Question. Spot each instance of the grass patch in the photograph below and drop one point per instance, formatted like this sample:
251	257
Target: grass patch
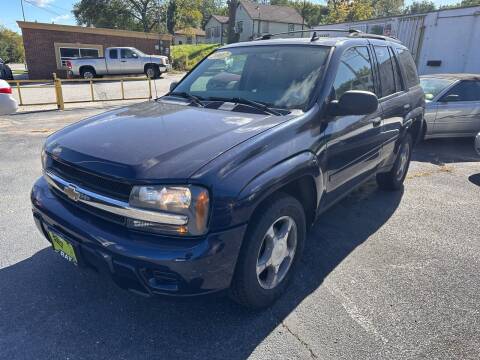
185	57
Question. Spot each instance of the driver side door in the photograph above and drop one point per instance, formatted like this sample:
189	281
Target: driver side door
353	142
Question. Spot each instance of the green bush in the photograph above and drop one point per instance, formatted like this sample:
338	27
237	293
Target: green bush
185	57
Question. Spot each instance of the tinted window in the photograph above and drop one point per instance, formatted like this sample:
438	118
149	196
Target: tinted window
258	73
385	66
127	54
354	72
396	71
409	67
113	54
464	91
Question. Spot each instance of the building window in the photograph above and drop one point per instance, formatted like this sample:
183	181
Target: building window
239	27
72	53
217	32
291	27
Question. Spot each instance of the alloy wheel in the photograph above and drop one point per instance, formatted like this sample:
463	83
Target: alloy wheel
276	252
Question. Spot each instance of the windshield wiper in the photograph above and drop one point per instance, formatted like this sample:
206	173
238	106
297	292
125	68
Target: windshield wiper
194	99
254	104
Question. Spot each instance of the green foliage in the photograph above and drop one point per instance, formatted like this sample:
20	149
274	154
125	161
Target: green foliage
387	7
11	46
136	15
184	57
419	7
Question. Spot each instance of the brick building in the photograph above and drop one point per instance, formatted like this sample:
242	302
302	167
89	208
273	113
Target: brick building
48	46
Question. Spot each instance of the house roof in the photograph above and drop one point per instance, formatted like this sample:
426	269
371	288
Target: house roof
221	19
190	31
274	13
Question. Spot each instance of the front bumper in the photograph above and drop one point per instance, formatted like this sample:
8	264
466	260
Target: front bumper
165	68
138	261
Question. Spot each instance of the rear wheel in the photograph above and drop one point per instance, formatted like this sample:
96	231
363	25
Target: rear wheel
393	179
87	73
272	248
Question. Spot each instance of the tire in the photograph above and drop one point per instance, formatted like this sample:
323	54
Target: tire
257	289
88	73
393	180
152	71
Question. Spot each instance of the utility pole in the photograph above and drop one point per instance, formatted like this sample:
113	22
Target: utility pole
23	11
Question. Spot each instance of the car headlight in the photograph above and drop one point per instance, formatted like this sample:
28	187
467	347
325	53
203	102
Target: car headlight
43	157
191	201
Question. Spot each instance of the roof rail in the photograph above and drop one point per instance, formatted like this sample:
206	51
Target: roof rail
374	36
351	33
314	37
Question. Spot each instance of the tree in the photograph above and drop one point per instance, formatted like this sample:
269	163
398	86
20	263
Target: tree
387	7
419	7
140	15
11	46
232	10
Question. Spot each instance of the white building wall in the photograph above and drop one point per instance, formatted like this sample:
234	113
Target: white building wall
451	36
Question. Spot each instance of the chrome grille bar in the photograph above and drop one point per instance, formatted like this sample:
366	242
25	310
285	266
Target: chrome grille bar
118	207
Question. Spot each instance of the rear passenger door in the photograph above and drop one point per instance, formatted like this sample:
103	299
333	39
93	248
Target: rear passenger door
458	110
354	141
393	98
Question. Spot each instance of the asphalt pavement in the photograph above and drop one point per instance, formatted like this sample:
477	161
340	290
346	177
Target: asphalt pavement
384	276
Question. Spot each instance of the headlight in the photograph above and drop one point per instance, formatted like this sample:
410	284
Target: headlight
190	201
43	157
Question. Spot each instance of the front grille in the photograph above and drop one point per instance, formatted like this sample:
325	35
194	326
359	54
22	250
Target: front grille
96	183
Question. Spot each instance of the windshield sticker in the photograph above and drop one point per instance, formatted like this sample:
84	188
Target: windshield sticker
220	55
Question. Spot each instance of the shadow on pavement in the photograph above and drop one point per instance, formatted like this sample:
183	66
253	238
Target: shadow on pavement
444	151
50	309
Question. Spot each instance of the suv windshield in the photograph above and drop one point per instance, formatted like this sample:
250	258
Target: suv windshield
279	76
433	86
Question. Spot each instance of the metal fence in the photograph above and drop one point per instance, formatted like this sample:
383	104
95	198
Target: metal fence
56	85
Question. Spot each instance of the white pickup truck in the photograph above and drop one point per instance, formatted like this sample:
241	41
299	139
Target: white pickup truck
119	60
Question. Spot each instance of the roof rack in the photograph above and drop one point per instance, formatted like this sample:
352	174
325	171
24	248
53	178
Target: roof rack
351	33
314	37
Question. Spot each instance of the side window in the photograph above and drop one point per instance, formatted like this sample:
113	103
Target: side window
354	72
396	71
464	91
113	54
409	67
385	66
127	54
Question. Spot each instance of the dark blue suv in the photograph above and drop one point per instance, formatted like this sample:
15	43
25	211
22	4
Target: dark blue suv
215	185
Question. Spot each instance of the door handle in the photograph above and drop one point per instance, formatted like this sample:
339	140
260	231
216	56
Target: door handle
376	122
123	60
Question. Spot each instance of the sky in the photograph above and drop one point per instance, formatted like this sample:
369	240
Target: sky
60	11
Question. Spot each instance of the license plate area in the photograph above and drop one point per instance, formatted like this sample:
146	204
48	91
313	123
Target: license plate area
63	247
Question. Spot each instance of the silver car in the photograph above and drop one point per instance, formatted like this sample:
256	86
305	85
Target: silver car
452	105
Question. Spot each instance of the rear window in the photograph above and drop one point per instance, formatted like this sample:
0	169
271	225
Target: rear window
409	67
385	65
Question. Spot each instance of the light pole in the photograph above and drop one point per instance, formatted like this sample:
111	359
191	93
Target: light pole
23	11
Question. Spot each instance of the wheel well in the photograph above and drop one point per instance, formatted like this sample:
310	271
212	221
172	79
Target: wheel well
149	65
87	67
417	130
304	190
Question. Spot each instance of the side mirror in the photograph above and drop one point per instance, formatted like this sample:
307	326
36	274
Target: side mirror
173	85
354	102
477	143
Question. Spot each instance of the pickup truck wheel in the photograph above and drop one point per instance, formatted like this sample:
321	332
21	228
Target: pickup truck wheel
271	251
152	72
393	179
88	73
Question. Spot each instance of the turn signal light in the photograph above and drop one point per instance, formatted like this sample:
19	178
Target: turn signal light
6	90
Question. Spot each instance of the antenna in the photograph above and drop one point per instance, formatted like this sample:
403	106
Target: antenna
314	36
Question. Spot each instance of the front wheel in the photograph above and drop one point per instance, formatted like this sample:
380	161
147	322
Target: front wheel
272	248
152	72
393	179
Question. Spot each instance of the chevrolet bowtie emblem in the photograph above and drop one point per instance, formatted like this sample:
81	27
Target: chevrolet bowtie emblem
72	192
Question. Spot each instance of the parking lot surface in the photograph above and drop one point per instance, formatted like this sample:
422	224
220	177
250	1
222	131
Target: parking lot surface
384	276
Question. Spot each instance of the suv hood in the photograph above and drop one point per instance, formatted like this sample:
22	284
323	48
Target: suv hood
155	140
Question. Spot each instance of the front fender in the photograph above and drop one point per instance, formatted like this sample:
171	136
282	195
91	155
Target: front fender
266	183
